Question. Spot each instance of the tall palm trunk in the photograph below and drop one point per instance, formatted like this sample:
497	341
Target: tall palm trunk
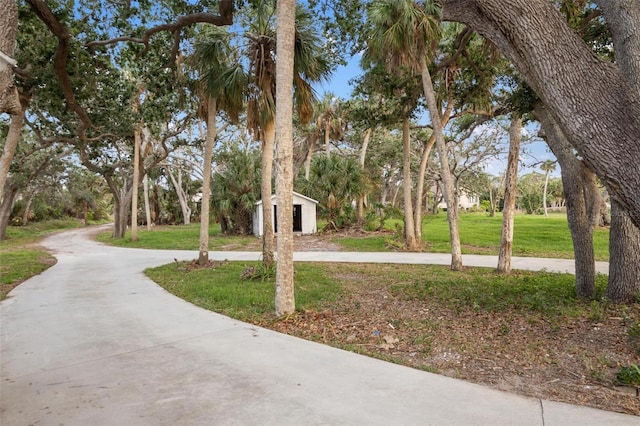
511	181
212	110
147	209
366	137
409	229
447	179
285	300
268	238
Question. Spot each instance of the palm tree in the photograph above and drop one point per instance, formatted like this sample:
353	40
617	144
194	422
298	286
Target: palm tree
309	65
222	84
405	34
547	166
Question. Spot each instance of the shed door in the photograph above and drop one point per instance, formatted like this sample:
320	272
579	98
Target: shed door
297	218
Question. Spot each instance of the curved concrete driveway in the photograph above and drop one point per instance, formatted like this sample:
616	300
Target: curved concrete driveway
92	341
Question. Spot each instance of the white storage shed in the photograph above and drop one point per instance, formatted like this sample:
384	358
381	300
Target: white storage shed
304	215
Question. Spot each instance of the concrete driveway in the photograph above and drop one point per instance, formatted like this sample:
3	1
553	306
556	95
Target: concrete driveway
92	341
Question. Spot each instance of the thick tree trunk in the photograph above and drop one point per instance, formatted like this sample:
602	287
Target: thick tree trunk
5	210
212	110
589	98
578	193
624	262
285	300
268	238
510	183
623	19
447	179
9	100
409	229
9	150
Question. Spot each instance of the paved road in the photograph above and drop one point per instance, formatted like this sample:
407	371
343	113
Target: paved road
92	341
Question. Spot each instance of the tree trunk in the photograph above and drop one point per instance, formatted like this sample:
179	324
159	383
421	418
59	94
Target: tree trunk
285	300
5	210
571	82
147	208
136	181
27	208
366	137
511	181
578	193
447	179
623	19
9	100
182	197
307	160
426	152
544	193
624	262
212	110
268	238
11	143
409	229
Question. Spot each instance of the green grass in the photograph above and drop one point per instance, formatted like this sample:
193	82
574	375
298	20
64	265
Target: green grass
534	236
223	290
20	259
317	285
179	237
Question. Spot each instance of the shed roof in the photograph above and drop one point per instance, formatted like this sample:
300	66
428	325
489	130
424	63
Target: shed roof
295	194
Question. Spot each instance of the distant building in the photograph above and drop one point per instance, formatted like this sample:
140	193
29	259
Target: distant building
304	215
468	199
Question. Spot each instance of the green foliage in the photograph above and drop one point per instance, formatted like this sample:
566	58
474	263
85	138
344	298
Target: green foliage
629	375
334	181
235	190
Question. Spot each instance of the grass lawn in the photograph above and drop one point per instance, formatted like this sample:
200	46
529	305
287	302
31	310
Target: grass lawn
179	237
21	258
534	236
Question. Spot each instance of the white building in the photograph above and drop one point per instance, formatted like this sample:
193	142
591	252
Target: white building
304	215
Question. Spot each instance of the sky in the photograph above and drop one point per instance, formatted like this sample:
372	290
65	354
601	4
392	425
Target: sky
533	149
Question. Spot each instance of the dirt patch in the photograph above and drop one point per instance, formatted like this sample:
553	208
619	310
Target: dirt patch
316	242
574	360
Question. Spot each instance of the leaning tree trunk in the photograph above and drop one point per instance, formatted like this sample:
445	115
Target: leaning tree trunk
147	209
623	19
307	161
11	143
426	152
212	110
571	82
182	197
5	210
511	181
580	197
447	179
409	229
268	238
285	300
